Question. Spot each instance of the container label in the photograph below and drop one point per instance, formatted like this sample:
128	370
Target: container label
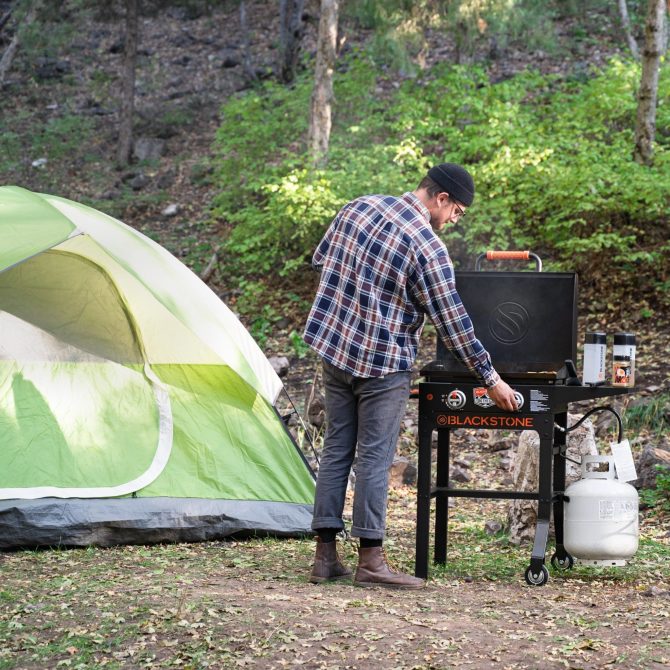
539	401
481	397
617	510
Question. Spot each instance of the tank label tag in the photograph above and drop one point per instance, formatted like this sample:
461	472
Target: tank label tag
617	510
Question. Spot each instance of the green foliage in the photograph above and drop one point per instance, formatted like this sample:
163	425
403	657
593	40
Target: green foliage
653	416
551	158
62	136
300	349
399	26
10	151
659	497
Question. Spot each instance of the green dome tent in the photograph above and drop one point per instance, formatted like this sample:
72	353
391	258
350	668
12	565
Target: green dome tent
134	406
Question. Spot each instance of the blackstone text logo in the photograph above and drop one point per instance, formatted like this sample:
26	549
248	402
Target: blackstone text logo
509	322
480	421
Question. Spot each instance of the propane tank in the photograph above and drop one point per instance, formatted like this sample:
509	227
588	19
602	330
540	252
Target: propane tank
601	516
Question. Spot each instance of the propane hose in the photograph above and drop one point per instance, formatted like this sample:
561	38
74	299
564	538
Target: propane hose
607	408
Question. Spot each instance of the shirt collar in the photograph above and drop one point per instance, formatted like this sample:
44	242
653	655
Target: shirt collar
412	200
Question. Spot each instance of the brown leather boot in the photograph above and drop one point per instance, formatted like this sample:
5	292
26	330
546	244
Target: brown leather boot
373	570
327	564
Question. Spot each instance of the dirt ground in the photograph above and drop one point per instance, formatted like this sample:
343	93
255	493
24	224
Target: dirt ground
248	604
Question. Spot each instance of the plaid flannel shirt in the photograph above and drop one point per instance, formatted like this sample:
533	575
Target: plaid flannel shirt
382	269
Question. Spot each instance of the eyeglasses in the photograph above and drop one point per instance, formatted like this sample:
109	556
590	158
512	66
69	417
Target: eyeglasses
460	210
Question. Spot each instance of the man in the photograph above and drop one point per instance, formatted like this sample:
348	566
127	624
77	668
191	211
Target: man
382	269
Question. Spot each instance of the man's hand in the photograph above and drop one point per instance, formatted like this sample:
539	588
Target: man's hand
503	396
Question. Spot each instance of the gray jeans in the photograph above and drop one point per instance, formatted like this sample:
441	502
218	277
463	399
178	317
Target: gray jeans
364	418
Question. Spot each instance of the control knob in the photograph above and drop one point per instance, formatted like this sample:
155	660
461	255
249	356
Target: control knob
519	399
456	399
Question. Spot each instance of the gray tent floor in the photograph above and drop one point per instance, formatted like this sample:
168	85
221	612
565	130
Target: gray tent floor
104	522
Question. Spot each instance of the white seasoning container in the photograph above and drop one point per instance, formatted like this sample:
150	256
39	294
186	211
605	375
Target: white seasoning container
595	352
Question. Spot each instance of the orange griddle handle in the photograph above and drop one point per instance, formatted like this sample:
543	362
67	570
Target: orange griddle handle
509	256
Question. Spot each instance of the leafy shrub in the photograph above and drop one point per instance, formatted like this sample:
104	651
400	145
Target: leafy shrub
551	158
658	497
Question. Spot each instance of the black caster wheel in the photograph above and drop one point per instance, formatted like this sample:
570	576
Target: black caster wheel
537	578
564	562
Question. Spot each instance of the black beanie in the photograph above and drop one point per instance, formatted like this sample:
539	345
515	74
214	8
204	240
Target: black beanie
455	180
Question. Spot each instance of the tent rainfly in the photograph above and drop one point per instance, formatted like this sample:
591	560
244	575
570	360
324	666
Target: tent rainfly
134	406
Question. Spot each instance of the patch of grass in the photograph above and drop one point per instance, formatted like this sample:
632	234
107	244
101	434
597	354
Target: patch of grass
62	136
652	415
474	555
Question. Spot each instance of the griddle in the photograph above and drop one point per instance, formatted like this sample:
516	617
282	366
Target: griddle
528	322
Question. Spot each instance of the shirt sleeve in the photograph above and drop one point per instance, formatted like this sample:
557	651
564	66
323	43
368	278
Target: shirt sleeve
321	252
434	289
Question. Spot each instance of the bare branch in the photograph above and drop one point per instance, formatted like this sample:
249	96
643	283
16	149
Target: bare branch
10	52
207	273
244	30
625	24
6	17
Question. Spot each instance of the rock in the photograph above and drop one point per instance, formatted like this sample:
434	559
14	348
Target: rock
165	180
316	409
492	527
506	461
117	46
282	323
138	182
229	59
463	462
458	474
148	148
112	194
39	162
605	423
280	365
654	591
405	444
185	39
171	210
523	513
402	472
51	68
646	466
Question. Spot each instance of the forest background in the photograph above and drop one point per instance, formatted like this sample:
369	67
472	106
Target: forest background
195	122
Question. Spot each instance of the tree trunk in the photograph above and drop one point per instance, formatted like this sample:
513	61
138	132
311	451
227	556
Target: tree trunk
249	71
10	52
290	37
6	17
322	94
645	128
625	24
128	84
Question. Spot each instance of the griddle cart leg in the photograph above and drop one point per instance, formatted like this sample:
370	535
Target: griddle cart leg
561	559
423	503
537	574
442	499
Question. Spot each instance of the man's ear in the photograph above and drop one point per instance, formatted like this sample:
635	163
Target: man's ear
442	198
